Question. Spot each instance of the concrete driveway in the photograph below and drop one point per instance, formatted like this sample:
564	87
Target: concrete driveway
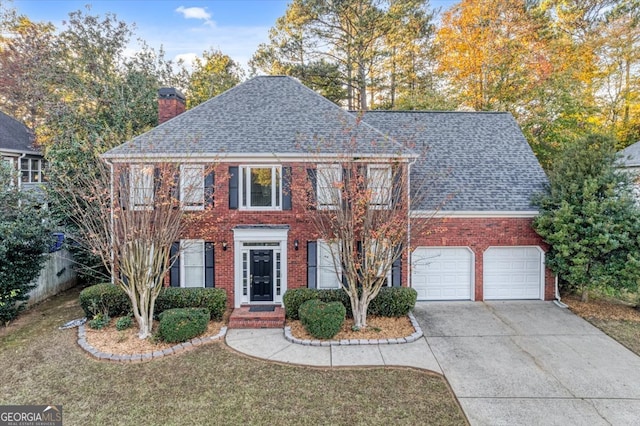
531	363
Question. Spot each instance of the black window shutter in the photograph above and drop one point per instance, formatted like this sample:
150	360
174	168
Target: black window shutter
396	273
396	190
233	187
313	179
346	177
209	267
174	272
125	187
176	185
312	264
209	181
286	188
157	184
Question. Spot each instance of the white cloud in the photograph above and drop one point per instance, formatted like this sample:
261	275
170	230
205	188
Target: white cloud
187	58
196	13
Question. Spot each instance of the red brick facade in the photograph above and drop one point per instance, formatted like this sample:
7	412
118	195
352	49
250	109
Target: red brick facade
479	234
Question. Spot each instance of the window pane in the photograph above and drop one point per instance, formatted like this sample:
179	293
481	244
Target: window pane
327	276
328	178
192	186
261	191
142	185
193	264
380	185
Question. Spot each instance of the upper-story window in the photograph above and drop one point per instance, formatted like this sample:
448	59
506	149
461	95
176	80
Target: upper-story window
261	187
379	181
328	180
31	170
192	186
141	183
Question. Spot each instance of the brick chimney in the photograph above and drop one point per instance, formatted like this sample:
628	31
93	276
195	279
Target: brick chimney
171	102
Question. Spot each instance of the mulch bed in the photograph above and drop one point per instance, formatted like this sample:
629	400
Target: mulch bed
602	309
378	328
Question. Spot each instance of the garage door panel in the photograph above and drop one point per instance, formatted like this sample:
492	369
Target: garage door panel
442	273
512	273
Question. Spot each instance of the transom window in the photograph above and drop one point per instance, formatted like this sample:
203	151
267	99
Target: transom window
141	184
328	179
379	181
31	170
261	187
192	186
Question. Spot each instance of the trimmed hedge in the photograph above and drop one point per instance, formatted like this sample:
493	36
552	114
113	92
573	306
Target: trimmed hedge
390	301
181	324
104	298
214	299
322	320
113	300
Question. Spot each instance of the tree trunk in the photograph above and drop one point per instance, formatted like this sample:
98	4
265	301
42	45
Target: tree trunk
585	295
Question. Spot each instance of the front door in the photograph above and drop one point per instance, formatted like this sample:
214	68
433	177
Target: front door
261	275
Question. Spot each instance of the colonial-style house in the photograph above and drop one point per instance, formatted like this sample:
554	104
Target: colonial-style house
264	136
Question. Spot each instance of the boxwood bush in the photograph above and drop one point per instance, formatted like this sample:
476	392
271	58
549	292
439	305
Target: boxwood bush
322	320
181	324
111	299
214	299
390	301
104	298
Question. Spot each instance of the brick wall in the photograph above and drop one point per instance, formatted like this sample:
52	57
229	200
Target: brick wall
480	234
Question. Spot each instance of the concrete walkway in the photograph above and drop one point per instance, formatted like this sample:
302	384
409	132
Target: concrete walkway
509	363
270	344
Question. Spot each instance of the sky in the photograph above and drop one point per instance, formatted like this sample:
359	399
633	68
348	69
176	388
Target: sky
184	29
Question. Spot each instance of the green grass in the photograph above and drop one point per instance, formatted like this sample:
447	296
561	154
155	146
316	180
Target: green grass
209	385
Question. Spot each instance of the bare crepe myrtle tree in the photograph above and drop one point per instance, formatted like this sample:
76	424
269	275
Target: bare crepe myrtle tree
129	215
359	207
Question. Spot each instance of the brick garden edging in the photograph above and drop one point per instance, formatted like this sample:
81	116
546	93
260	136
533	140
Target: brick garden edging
148	356
307	342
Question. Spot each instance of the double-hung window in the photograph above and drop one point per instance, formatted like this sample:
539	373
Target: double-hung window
141	185
261	187
329	265
379	182
192	263
192	186
328	181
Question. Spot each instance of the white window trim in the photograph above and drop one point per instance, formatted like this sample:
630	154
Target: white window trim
184	245
30	170
322	183
245	197
387	168
319	267
199	205
133	179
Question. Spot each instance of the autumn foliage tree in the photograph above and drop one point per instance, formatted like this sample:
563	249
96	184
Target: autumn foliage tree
129	219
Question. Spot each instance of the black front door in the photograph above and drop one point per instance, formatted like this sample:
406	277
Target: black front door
261	275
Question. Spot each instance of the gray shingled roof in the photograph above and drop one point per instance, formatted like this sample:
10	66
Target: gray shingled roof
475	161
264	115
630	156
14	135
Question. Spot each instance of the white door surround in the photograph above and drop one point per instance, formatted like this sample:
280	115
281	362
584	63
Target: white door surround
259	237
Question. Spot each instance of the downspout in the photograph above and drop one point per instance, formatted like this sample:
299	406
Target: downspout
557	301
411	163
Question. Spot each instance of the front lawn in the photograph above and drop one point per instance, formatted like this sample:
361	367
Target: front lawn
209	385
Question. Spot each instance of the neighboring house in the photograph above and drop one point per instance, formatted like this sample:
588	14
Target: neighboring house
267	134
16	149
629	160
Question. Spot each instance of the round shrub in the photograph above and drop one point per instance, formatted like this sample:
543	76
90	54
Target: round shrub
181	324
104	298
294	298
322	320
123	323
393	302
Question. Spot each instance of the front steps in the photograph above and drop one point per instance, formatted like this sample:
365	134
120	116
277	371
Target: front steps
243	318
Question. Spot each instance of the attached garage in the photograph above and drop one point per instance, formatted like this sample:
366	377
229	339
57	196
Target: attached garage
513	272
442	273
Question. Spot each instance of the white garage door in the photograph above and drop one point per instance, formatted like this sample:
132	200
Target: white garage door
512	272
441	273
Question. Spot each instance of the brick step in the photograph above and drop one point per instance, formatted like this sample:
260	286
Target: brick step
243	318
